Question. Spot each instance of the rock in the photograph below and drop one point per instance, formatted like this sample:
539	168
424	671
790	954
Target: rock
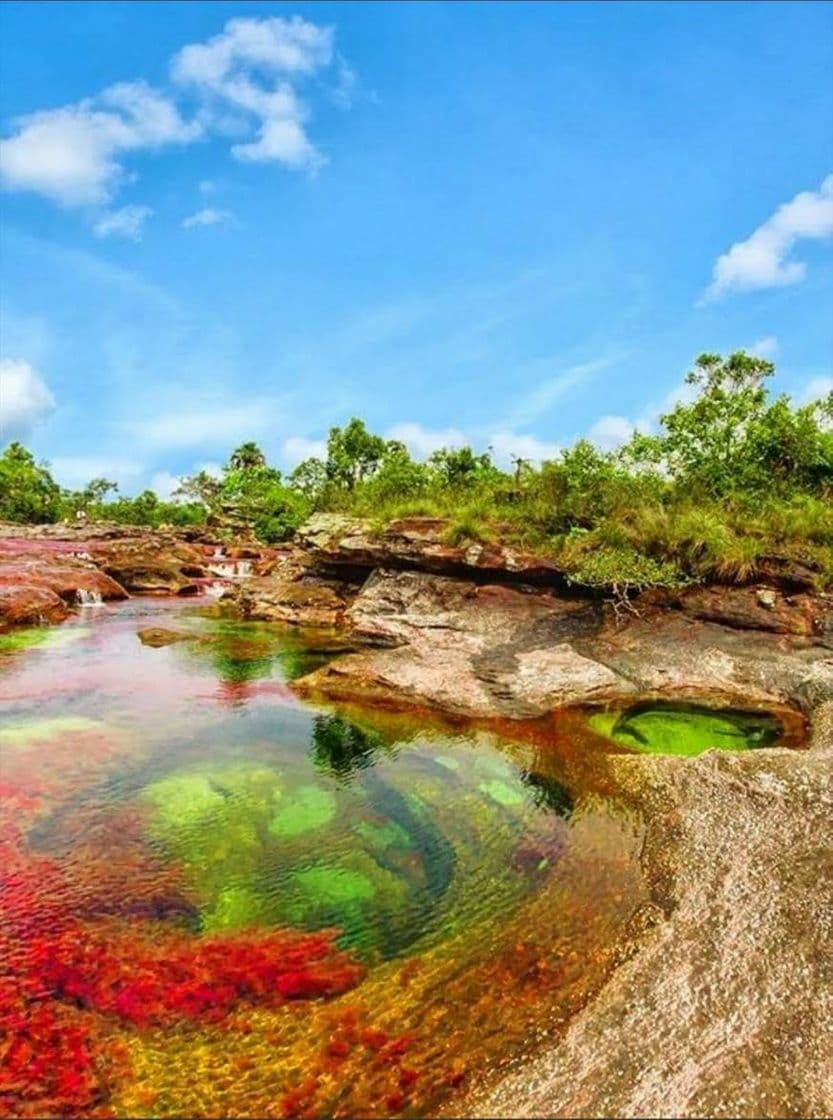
701	1021
158	636
419	543
151	566
471	649
292	593
485	650
751	608
59	574
25	605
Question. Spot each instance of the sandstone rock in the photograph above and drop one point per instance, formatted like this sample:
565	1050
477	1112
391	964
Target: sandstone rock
723	1008
158	636
419	543
466	648
151	566
750	608
25	605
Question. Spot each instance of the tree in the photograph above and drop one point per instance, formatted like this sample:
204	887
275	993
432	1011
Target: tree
460	466
353	453
28	492
705	441
246	457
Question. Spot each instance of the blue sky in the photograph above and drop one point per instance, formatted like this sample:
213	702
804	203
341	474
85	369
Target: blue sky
514	224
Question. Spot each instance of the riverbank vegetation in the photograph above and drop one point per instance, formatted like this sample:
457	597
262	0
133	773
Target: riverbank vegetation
731	478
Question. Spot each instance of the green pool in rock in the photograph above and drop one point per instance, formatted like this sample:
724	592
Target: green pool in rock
685	729
413	848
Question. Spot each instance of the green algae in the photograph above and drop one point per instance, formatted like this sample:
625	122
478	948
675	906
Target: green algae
310	808
42	637
685	729
502	792
44	730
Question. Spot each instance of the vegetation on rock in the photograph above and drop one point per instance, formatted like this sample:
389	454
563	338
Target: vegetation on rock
731	479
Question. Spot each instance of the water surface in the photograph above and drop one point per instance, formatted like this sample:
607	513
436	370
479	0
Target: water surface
218	900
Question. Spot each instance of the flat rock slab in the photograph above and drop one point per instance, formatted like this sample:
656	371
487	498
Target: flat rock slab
724	1008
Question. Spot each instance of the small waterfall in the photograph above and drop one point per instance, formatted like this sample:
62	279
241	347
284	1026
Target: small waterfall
216	588
219	552
231	569
85	598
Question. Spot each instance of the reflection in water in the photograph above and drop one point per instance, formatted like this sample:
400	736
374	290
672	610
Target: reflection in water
340	748
177	872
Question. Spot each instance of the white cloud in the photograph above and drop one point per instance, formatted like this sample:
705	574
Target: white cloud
72	155
218	425
25	399
297	448
206	187
248	74
249	68
507	446
422	442
164	483
762	260
541	399
126	222
78	470
610	432
766	347
207	217
817	389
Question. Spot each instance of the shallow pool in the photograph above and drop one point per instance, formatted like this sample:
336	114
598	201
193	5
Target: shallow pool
218	900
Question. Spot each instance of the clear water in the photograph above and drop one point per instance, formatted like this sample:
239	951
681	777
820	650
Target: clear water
218	900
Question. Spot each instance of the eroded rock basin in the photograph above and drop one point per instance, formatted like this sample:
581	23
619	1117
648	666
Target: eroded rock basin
222	900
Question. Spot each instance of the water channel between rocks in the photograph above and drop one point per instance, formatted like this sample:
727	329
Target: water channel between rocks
219	900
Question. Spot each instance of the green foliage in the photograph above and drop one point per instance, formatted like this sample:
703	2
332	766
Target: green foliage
28	492
730	477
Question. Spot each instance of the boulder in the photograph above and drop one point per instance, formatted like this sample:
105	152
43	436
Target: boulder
152	565
290	591
25	605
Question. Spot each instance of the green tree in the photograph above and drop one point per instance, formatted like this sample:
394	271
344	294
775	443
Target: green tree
28	492
705	441
353	454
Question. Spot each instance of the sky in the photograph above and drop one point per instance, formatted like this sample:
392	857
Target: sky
508	224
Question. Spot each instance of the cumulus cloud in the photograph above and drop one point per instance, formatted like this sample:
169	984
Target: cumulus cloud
217	425
297	448
508	446
246	79
126	222
763	259
72	155
610	432
25	399
207	217
766	347
250	67
77	470
422	442
817	389
164	483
